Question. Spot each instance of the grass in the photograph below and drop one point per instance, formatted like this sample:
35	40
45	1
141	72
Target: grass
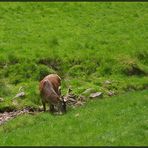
119	121
85	44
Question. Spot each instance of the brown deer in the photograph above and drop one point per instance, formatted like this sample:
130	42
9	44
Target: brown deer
50	93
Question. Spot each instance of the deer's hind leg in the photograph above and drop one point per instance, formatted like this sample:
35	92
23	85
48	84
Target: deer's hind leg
51	108
44	105
59	108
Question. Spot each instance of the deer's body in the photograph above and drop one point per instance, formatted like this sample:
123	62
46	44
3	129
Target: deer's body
50	92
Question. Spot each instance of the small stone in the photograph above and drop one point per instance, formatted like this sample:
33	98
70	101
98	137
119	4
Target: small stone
72	100
87	91
77	115
107	82
111	93
40	108
96	95
21	94
79	103
30	109
81	98
1	99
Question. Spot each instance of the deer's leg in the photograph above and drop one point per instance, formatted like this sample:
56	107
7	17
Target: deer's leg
44	106
51	108
60	108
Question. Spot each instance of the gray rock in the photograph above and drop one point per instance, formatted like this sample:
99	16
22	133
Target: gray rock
21	94
79	103
107	82
40	108
72	100
81	98
96	95
1	99
111	93
87	91
77	115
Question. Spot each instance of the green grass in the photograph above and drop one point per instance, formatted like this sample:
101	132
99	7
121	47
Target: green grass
86	44
120	120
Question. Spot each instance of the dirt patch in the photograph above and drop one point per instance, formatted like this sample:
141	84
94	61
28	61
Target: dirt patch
7	115
73	99
10	113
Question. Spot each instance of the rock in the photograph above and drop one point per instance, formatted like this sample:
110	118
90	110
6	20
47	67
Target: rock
96	95
40	108
107	82
31	109
111	93
77	115
70	97
21	94
87	91
70	104
74	96
72	100
81	98
79	103
1	100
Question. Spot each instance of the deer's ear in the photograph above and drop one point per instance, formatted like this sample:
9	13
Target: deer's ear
45	83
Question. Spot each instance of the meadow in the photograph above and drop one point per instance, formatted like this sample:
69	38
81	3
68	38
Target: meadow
85	44
119	121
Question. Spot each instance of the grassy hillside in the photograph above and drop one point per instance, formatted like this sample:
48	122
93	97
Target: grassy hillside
118	121
85	43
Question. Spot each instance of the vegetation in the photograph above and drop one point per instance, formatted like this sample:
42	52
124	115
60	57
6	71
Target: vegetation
86	44
121	120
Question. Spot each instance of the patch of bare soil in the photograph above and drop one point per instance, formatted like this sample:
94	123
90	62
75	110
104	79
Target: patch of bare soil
4	117
72	100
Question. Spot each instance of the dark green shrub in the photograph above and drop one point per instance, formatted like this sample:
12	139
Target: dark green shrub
130	68
43	71
142	55
105	69
89	67
51	62
13	58
22	72
4	89
3	61
76	71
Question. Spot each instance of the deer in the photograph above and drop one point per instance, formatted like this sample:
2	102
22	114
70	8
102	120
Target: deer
50	92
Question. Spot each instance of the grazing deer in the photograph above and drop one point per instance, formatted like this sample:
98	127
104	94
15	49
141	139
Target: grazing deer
51	93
